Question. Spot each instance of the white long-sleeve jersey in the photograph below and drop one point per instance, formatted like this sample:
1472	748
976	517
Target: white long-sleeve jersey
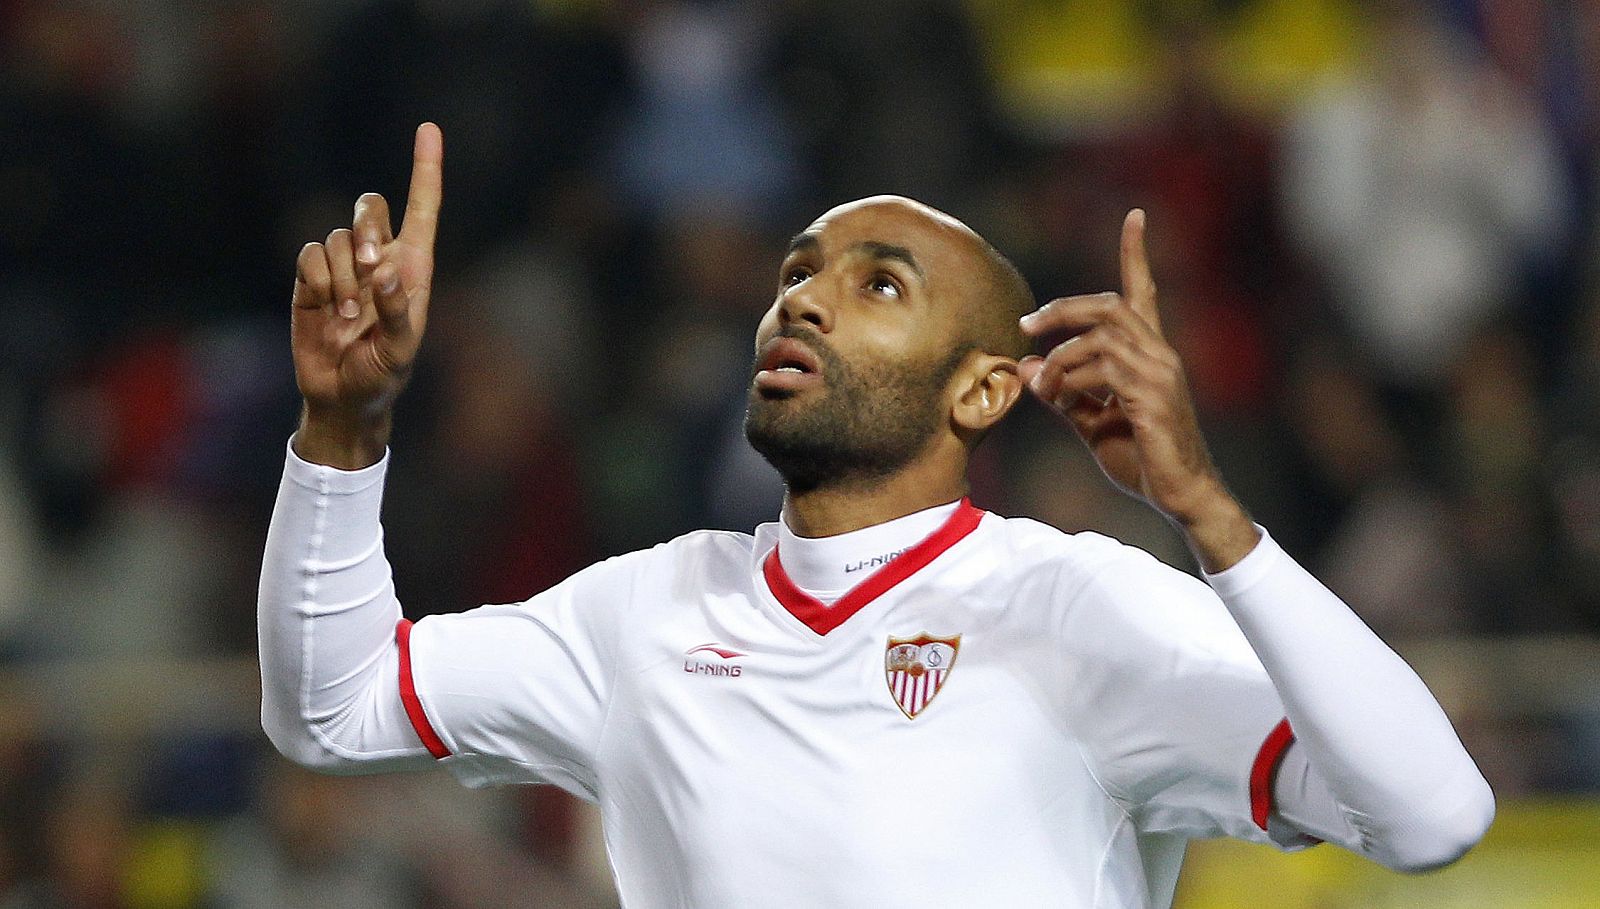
998	714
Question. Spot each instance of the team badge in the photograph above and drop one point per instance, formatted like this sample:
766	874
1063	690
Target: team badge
917	668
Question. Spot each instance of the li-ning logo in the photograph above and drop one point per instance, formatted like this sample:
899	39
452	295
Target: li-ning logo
875	562
695	666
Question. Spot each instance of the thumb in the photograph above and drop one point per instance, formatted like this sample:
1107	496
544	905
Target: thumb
1028	367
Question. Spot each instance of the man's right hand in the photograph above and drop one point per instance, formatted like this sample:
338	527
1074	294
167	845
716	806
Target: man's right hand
360	305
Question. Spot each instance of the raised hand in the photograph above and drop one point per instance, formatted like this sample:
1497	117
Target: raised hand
1121	387
360	307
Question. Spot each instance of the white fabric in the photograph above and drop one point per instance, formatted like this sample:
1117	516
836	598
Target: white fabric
1102	707
326	626
827	567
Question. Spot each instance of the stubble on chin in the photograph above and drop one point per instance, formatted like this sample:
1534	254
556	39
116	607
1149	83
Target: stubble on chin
858	427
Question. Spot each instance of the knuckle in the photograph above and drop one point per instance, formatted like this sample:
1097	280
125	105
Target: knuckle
1116	341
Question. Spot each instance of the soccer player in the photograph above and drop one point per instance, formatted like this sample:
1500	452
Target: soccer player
887	697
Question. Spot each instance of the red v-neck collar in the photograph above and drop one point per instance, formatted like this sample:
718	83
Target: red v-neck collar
822	618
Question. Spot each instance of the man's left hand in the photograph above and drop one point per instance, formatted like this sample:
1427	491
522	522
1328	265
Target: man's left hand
1121	386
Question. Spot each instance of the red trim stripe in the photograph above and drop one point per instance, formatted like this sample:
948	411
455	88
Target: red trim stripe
821	618
1265	770
408	695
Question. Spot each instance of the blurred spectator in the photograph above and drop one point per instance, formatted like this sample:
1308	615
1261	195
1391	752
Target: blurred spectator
524	100
1575	465
1383	536
309	848
20	551
499	457
705	127
88	847
24	802
1425	186
1085	68
1495	436
890	96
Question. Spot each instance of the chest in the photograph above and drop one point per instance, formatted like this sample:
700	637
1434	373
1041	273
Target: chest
925	684
917	741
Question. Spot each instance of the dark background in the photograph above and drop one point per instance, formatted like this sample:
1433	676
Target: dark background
1373	225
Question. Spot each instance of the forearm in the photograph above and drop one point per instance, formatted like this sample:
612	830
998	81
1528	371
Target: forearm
326	617
1368	732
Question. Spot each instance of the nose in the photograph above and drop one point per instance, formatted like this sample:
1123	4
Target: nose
804	303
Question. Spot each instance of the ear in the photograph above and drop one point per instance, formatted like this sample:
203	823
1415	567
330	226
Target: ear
988	387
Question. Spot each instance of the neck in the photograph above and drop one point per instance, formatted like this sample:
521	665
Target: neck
836	508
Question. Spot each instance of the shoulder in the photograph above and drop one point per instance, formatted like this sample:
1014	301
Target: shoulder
691	565
696	548
1107	589
1077	559
705	542
702	563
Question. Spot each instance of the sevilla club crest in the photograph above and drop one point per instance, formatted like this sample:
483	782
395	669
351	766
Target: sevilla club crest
917	668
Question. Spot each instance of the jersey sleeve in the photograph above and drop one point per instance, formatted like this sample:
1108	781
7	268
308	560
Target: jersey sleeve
1179	721
1351	698
518	693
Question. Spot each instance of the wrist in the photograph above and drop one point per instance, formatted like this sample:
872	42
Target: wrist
344	442
1218	530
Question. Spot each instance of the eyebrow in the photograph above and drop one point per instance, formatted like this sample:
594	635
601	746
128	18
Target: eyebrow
803	240
899	254
874	248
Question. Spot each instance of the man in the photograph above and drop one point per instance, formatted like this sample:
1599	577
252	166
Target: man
998	714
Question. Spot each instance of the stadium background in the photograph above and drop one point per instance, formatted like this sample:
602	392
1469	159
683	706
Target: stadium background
1374	226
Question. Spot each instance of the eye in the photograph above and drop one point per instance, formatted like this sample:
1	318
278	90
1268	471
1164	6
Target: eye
795	275
883	284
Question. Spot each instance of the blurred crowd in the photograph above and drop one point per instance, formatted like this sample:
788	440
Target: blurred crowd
1373	223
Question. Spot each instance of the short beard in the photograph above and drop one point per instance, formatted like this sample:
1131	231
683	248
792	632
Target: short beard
867	424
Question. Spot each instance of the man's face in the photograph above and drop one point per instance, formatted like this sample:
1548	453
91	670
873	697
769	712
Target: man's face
854	358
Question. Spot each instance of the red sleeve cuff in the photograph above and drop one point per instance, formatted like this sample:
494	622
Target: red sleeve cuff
1262	772
408	695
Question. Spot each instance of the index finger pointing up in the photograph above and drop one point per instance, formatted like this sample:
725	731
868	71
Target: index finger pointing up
421	221
1138	287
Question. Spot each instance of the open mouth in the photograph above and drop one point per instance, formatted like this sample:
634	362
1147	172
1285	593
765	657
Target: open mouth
786	365
786	355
